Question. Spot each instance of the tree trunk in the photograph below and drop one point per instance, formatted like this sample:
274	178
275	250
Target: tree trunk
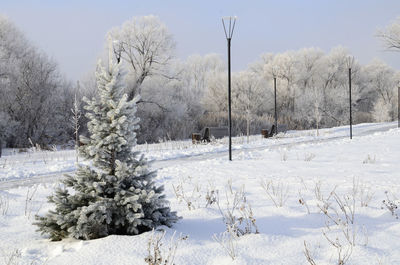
248	127
112	173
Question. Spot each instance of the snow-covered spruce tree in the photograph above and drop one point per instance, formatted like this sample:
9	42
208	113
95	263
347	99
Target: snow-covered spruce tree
115	192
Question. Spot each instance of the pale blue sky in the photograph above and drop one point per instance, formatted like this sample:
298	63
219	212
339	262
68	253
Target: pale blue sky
73	31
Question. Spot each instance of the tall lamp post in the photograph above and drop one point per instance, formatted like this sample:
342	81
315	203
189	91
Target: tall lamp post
274	74
350	62
398	106
275	113
229	26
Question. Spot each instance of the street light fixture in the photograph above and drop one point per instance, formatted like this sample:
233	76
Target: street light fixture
229	26
350	63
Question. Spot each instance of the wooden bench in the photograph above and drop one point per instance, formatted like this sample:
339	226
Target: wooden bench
214	133
271	130
282	128
209	133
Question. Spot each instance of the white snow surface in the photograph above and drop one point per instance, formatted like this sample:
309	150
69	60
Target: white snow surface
296	160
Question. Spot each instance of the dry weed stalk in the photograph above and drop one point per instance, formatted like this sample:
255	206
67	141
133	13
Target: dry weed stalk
369	160
309	156
4	204
228	241
308	255
159	256
237	214
191	199
277	192
212	195
343	251
29	200
303	201
391	205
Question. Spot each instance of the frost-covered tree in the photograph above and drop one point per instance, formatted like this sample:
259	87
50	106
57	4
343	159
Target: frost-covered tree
146	46
31	90
288	71
391	35
381	82
114	193
215	100
248	97
7	125
381	111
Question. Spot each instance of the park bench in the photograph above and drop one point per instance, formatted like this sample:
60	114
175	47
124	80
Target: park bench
271	130
209	133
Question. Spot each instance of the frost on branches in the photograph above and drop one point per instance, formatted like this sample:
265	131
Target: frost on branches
115	192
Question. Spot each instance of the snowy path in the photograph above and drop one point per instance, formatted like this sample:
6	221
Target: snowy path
360	130
165	162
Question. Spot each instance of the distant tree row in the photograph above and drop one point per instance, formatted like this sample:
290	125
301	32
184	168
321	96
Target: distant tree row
180	97
35	99
312	92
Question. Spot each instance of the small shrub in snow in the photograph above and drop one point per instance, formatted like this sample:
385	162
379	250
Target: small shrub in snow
341	214
191	193
391	205
190	198
302	197
159	255
4	204
340	229
317	191
12	258
369	159
237	214
343	250
228	241
29	200
212	195
276	191
309	156
365	194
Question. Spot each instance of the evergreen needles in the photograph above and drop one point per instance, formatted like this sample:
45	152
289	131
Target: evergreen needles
114	193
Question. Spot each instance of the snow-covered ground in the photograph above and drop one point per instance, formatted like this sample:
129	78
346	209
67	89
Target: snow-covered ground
299	165
16	165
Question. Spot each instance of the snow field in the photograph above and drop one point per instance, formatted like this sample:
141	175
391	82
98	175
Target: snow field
371	160
15	165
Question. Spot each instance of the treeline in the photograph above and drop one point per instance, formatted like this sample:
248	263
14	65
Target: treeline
35	99
181	97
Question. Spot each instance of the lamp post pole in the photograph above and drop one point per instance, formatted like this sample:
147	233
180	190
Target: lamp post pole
350	63
275	114
351	119
228	28
398	106
229	99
